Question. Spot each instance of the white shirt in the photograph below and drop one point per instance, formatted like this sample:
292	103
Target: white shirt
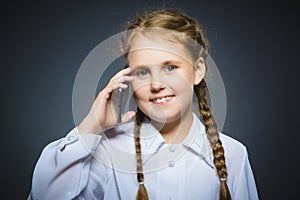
89	166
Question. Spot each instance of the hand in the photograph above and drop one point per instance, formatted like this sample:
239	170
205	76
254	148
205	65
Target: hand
102	114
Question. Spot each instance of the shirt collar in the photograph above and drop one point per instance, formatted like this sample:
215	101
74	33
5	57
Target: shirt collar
151	139
196	141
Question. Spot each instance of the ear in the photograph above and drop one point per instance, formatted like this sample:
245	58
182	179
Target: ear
200	69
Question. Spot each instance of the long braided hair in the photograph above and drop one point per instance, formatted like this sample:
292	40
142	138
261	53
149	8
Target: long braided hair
177	21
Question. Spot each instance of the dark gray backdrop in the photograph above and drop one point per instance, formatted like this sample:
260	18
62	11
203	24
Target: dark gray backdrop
254	45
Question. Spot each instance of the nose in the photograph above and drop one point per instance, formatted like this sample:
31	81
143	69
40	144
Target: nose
157	83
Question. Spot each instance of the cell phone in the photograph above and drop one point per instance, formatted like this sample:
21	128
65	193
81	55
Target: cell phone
122	97
119	105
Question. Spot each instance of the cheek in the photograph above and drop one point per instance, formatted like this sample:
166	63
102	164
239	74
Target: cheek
184	88
140	93
142	99
141	89
140	84
181	82
185	92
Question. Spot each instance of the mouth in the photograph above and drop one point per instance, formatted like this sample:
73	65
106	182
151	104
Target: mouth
162	99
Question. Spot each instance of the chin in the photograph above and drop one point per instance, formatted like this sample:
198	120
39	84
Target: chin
165	119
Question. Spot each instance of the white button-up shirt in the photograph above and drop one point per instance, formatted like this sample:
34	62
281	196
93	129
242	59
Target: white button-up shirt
89	166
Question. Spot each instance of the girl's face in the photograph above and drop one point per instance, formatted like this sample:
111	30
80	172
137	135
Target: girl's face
164	78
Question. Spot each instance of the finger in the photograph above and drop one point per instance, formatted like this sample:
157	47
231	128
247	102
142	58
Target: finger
128	116
123	72
126	79
120	83
116	86
109	89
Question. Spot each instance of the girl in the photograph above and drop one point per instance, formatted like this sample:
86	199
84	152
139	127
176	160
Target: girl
167	152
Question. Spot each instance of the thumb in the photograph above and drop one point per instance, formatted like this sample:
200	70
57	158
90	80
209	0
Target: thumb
128	116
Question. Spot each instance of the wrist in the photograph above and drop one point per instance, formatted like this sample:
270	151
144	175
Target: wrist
89	125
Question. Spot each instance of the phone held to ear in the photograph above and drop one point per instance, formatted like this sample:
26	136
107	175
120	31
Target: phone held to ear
119	105
122	95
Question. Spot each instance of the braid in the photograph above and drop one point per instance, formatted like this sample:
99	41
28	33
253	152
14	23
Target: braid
142	192
213	137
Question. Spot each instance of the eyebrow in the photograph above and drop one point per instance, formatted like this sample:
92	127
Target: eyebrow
167	62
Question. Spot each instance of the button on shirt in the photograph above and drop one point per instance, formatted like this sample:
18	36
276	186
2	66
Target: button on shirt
89	166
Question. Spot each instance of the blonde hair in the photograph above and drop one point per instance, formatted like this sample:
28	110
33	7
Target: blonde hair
181	23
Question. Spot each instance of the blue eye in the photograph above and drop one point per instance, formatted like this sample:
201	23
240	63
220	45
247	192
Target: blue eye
142	72
170	68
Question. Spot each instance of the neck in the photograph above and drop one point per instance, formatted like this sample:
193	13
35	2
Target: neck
176	130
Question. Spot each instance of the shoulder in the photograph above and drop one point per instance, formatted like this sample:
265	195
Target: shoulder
235	152
232	144
240	177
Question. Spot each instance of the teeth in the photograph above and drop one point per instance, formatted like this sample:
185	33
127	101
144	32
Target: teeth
162	99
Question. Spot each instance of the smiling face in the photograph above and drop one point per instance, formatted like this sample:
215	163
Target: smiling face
164	78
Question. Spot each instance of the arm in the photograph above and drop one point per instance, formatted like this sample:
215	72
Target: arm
63	169
67	168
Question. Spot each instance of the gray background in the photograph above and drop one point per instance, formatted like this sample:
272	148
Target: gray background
254	45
